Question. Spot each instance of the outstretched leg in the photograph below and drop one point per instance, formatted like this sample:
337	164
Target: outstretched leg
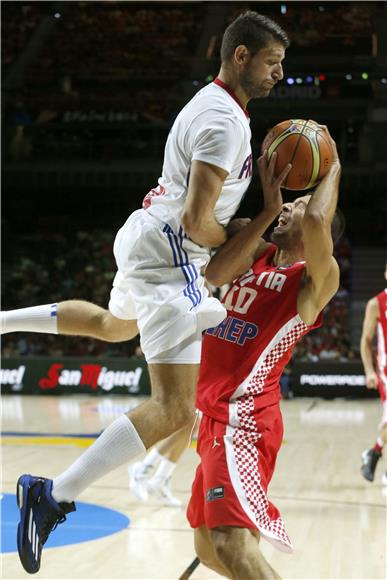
71	317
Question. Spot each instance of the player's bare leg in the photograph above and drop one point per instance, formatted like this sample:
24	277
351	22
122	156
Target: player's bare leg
205	551
163	459
81	318
238	550
174	446
172	404
171	449
71	317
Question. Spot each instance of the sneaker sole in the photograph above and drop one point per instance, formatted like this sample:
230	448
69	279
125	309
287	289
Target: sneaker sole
22	489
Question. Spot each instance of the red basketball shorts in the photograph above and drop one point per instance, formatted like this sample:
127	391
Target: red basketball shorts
230	485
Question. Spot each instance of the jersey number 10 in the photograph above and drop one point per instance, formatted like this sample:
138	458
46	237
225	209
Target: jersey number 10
244	298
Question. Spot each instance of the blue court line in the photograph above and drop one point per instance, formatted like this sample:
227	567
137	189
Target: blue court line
37	434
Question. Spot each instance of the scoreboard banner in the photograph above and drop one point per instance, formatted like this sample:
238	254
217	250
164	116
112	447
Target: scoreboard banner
330	379
62	375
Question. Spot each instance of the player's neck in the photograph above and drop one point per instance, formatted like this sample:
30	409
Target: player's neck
229	79
287	257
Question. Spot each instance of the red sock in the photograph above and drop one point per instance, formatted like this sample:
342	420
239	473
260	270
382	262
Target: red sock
377	447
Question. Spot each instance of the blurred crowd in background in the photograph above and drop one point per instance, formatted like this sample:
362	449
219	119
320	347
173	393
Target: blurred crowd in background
118	63
82	267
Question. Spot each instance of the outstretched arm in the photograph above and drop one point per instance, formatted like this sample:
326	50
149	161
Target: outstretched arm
240	251
369	327
322	271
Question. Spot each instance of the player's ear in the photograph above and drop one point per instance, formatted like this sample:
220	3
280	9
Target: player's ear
241	54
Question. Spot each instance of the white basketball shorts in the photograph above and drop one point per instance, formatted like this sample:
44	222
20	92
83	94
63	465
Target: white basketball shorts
158	282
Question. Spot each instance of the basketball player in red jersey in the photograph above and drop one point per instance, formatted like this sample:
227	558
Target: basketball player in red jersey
375	321
278	292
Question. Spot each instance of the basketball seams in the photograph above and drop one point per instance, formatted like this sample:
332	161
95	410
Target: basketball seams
295	149
316	159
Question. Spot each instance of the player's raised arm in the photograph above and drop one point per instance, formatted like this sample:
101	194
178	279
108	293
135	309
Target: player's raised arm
322	270
368	332
241	250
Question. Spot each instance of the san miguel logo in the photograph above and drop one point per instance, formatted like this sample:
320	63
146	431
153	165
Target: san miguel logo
91	375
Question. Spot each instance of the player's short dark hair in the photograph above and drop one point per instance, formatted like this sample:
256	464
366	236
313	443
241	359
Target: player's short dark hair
253	30
337	225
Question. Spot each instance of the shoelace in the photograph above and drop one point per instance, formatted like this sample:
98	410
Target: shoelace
49	524
48	527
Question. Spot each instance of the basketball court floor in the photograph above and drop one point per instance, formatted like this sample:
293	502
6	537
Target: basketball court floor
336	520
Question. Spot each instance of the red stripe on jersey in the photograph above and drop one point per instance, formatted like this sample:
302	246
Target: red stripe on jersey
232	94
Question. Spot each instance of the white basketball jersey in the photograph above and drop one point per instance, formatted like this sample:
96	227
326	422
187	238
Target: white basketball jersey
213	128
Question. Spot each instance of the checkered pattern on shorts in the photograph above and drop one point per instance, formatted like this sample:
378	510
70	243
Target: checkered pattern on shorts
247	459
246	436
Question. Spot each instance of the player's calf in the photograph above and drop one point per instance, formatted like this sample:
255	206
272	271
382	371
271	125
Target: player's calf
237	549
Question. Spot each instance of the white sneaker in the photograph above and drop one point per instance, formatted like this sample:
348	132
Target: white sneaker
384	478
160	489
138	479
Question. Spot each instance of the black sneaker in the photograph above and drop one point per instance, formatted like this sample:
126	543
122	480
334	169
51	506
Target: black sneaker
370	459
39	516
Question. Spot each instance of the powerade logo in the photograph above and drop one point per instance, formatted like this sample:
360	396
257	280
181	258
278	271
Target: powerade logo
332	380
91	375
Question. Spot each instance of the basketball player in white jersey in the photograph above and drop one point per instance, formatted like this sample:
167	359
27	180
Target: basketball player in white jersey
161	252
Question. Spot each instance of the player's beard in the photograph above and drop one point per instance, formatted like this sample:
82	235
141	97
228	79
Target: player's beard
251	87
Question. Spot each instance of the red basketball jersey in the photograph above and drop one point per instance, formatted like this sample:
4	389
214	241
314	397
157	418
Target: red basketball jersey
382	343
243	357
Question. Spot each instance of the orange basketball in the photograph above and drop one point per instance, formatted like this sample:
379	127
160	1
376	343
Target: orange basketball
305	145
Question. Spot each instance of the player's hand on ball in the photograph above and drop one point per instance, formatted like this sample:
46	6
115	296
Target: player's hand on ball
372	380
236	225
271	185
335	163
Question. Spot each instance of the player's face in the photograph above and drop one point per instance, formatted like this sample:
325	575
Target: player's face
288	232
259	73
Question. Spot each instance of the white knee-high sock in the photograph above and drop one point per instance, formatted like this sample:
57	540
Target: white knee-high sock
118	444
34	319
